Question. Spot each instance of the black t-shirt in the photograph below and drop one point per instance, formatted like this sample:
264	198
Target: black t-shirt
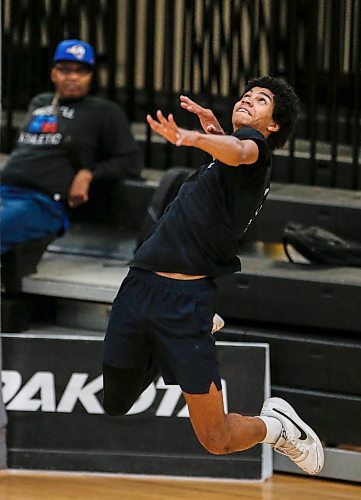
200	230
100	133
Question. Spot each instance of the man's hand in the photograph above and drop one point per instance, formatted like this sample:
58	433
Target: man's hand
209	122
168	129
79	189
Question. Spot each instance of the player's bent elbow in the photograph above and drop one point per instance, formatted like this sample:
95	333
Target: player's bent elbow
243	156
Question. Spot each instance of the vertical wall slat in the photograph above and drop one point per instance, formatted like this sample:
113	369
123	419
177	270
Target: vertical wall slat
336	17
355	70
311	33
130	59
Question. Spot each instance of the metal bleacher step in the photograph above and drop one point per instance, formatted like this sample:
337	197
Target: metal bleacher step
302	294
76	277
266	290
340	464
336	210
303	372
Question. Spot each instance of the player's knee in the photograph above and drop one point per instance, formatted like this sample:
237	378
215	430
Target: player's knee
213	443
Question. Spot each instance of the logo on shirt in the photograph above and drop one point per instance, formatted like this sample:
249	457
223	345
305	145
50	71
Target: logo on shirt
41	131
43	127
40	139
43	124
265	194
48	110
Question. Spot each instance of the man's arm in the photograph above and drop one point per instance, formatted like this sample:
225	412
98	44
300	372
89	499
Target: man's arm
118	154
225	148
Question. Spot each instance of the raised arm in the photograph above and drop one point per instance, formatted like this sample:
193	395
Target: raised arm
225	148
209	122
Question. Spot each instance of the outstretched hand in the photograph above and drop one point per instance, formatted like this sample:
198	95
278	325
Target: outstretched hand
167	128
209	122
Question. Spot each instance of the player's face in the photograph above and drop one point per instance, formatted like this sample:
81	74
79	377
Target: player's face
255	109
71	79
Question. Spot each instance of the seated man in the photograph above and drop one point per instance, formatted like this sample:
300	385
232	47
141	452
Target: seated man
68	140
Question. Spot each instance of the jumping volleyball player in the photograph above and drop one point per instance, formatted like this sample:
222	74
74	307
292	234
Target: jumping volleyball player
161	319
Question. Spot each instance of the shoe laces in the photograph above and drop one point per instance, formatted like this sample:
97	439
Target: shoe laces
292	447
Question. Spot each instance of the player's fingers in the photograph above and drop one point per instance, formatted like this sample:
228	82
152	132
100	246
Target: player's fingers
150	119
185	99
171	121
190	105
161	118
196	108
189	108
153	124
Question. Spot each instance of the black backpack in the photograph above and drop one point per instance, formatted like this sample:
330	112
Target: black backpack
163	195
320	246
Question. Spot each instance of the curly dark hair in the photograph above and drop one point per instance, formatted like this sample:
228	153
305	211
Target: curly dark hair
286	107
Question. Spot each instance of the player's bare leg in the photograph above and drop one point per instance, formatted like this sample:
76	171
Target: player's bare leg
218	432
278	425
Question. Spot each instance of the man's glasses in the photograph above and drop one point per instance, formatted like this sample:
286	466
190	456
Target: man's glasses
67	70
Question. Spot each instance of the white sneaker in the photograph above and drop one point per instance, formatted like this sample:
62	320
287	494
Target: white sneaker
218	323
297	441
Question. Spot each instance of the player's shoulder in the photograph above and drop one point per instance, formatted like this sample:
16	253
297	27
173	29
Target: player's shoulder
244	133
264	153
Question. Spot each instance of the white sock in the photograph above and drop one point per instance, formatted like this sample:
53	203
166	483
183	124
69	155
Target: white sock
274	429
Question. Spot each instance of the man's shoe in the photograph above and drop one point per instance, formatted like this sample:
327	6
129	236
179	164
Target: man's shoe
218	323
297	441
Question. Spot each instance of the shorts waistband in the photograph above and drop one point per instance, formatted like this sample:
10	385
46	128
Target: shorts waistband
150	276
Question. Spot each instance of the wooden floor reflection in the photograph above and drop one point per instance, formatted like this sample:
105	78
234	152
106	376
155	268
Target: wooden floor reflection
19	485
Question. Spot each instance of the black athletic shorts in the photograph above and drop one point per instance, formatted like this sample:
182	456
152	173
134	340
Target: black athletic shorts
161	320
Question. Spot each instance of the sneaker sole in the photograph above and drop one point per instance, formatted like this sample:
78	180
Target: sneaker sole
320	454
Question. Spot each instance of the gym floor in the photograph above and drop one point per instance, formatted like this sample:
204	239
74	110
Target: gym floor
25	485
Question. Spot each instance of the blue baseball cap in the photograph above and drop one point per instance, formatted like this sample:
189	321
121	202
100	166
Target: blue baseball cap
75	51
